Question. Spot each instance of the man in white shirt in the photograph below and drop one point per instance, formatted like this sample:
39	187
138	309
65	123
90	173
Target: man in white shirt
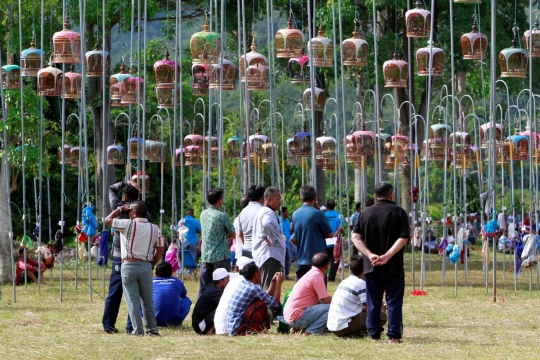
268	243
220	318
239	245
245	219
348	309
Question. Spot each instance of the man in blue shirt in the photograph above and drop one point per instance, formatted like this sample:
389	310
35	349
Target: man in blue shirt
286	230
311	228
336	223
170	297
191	238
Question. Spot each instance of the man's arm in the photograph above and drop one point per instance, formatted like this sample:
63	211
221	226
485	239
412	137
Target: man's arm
326	300
158	254
398	245
114	198
362	247
114	214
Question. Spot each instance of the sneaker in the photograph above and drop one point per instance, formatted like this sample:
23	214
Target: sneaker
153	334
111	330
135	334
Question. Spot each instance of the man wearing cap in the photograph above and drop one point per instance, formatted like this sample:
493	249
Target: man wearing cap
204	312
170	297
220	318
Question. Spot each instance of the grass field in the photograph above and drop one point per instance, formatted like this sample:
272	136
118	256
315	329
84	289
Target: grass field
442	325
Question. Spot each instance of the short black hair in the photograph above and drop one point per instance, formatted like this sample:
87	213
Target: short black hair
358	206
356	264
320	260
163	269
255	192
131	193
140	208
283	209
331	204
214	195
244	201
190	212
383	190
21	251
369	202
307	193
249	270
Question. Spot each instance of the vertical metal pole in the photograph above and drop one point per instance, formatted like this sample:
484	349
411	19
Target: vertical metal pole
493	109
311	22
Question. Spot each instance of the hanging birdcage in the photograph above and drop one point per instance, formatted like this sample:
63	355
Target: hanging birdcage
205	45
463	152
135	146
396	73
418	22
438	141
165	71
513	60
66	45
410	149
233	146
115	154
267	150
94	62
78	156
31	59
398	144
383	142
299	70
139	177
355	50
67	154
474	44
533	138
485	134
255	146
323	50
531	40
211	144
230	75
156	151
73	82
130	88
11	75
254	68
201	79
359	144
115	85
48	81
193	145
289	41
320	99
431	54
325	147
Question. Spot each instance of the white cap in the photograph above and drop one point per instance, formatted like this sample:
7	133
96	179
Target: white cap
322	208
243	261
219	274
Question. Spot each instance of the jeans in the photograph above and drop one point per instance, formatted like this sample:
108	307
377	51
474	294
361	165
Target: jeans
376	285
138	288
206	273
287	261
247	253
112	303
313	319
192	248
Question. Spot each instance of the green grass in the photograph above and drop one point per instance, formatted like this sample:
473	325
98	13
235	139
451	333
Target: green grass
442	325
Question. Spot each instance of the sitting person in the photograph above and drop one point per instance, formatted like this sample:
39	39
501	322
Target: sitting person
248	312
220	318
348	309
504	242
307	307
202	318
170	300
32	269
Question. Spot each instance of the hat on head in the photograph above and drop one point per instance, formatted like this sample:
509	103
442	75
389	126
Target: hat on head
322	208
219	274
243	261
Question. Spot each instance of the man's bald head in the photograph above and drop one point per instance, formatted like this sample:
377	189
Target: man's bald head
320	260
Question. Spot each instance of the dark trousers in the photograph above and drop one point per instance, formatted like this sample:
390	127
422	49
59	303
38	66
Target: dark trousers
206	273
376	285
333	265
112	303
270	267
247	253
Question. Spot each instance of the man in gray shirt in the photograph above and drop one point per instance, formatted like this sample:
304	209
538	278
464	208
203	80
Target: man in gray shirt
256	200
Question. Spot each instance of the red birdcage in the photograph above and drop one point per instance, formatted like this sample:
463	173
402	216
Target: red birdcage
431	54
418	22
254	69
396	73
66	45
319	101
289	41
474	44
299	70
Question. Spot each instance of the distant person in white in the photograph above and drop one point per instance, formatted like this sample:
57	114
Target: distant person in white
244	201
245	219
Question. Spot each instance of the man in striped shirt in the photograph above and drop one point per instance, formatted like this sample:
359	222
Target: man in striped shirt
348	310
138	240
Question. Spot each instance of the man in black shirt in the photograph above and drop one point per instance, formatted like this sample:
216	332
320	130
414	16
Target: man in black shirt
202	318
380	233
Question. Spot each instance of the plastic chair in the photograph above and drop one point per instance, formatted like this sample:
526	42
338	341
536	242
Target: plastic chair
189	263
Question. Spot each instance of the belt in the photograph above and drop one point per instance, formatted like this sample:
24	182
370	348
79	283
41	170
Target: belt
134	260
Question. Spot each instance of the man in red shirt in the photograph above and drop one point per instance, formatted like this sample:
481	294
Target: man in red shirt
309	302
31	267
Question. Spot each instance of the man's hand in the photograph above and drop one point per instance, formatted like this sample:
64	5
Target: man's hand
267	241
383	259
374	259
384	307
279	278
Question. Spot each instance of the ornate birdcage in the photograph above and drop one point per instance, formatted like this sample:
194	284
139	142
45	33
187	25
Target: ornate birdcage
78	156
140	177
66	45
298	146
329	165
531	39
130	87
383	143
359	144
463	151
234	146
115	85
323	50
320	99
438	141
396	73
399	144
267	150
255	145
431	54
94	62
115	154
230	75
410	149
254	67
48	81
355	50
211	144
156	151
513	60
485	134
11	75
474	44
205	45
533	138
201	79
289	41
418	22
73	82
67	154
299	70
193	155
135	146
165	71
179	157
31	59
325	147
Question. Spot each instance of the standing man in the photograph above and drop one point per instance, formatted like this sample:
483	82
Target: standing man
245	219
310	230
286	230
268	244
192	237
138	240
216	229
380	235
356	215
131	191
336	223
